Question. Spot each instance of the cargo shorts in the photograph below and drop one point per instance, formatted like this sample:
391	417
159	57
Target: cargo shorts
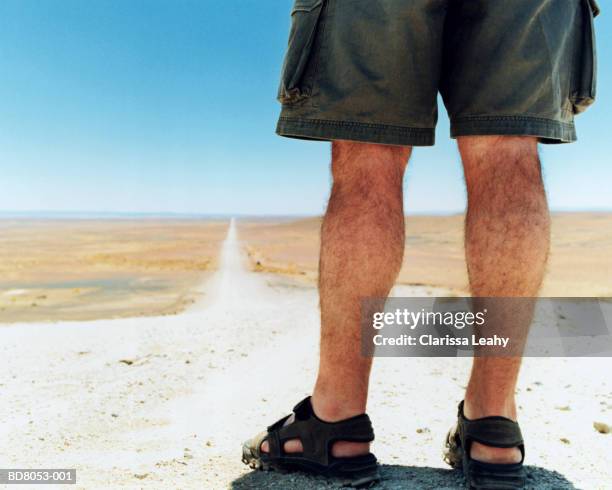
371	70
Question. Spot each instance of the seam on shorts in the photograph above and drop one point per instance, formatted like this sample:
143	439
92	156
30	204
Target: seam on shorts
327	129
321	54
550	57
548	130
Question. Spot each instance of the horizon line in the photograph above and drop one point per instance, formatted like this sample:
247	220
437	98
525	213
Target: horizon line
72	214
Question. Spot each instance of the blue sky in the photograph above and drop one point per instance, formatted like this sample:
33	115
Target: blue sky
169	106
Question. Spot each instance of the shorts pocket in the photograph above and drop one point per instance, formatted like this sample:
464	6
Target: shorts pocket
594	7
584	85
296	78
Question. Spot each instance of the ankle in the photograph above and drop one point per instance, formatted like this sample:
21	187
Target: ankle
476	408
334	409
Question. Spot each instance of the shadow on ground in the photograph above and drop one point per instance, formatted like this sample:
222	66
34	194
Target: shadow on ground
395	477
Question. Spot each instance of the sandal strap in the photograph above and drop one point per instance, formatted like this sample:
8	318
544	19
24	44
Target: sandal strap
492	431
316	435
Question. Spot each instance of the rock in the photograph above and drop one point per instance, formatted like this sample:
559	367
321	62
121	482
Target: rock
127	362
141	477
114	415
602	428
565	440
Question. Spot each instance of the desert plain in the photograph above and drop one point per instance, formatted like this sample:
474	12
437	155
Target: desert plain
87	269
580	261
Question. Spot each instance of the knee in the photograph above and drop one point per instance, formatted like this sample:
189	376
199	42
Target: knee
502	170
364	165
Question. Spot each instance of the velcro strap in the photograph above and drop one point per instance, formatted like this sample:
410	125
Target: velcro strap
275	446
356	429
494	431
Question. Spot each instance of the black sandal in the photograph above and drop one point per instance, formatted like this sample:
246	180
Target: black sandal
491	431
317	437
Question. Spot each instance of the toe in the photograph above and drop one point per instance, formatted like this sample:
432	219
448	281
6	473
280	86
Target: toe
265	447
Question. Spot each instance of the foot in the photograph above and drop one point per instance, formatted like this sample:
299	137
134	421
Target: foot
340	449
488	454
321	455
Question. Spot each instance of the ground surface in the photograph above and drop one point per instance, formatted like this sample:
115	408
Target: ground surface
580	261
165	402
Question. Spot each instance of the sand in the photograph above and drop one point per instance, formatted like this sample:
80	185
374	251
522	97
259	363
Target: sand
580	263
165	402
52	270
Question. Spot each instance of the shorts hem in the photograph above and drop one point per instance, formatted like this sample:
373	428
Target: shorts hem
328	130
546	130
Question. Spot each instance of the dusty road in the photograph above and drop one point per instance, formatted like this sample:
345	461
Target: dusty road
166	402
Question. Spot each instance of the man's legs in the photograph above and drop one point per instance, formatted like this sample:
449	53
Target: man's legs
506	240
362	245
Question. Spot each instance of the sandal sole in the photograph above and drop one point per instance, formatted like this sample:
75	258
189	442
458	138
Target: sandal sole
364	478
